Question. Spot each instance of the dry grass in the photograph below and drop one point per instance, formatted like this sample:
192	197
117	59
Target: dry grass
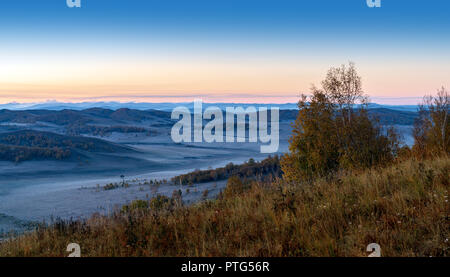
404	208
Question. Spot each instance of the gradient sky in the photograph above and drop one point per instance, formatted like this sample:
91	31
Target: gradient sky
218	50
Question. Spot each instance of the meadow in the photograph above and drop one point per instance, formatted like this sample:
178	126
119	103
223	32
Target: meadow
404	208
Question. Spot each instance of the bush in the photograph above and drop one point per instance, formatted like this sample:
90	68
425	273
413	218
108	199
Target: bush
234	187
135	205
160	202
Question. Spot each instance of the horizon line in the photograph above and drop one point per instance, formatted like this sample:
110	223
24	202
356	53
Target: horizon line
49	102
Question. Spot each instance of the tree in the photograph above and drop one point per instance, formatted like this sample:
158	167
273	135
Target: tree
333	130
431	128
313	142
343	86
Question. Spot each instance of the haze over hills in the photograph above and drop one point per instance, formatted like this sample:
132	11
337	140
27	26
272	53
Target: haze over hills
57	106
136	124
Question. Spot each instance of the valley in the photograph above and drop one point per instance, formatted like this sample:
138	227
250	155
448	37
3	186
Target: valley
53	161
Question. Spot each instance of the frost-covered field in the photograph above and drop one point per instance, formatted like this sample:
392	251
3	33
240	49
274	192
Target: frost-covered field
37	191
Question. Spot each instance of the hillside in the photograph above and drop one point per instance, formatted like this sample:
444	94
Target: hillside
93	121
125	115
34	145
404	208
92	115
393	117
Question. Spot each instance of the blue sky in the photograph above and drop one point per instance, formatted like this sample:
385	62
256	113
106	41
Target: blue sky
218	48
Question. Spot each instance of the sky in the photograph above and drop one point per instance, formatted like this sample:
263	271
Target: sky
219	50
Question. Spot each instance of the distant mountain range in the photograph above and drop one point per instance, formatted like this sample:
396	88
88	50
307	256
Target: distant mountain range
58	106
125	117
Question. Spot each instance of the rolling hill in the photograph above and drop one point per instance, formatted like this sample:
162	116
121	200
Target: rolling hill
35	145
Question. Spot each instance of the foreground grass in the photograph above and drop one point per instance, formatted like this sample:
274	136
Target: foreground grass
404	208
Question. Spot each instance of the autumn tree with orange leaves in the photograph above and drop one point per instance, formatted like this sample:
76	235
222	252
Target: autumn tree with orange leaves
333	130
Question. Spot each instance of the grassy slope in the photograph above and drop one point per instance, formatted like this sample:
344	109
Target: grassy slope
404	208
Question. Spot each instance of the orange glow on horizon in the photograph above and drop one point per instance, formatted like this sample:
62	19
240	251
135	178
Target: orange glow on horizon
216	81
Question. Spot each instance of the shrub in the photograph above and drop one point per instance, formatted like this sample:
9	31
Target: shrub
135	205
234	187
160	202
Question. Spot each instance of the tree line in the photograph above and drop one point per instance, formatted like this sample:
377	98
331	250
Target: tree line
268	168
81	128
19	154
